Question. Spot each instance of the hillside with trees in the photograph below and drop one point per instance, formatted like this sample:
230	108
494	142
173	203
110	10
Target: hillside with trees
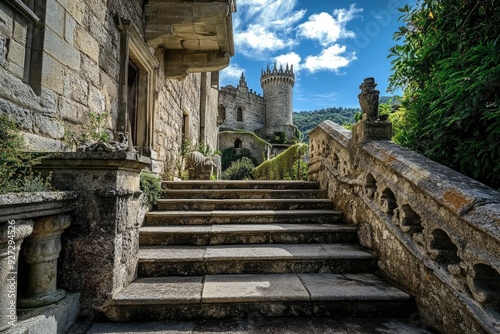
308	120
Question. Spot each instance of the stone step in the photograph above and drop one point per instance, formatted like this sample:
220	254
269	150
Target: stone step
245	204
225	234
242	217
271	295
242	193
250	184
253	259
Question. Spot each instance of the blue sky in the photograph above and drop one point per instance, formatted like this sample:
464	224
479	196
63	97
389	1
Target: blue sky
333	45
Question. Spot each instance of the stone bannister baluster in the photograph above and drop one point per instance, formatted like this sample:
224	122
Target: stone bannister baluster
12	235
41	251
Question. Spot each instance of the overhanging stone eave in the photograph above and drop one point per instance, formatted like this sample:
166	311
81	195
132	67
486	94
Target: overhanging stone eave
200	42
178	63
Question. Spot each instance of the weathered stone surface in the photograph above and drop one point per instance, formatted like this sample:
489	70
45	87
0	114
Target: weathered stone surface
30	205
415	213
259	325
253	288
56	318
102	242
350	286
166	290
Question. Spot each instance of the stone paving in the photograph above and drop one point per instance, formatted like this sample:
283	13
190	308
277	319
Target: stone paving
259	325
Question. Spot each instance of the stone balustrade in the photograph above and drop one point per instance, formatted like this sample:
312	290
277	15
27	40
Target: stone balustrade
436	232
31	225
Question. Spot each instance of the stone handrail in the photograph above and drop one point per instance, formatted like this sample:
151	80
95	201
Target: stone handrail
38	219
435	231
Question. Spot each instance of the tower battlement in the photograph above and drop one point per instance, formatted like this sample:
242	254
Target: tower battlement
277	75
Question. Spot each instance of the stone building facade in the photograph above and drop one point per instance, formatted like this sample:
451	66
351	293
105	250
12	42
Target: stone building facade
145	68
244	110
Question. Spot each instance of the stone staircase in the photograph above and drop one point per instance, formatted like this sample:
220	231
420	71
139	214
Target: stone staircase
252	249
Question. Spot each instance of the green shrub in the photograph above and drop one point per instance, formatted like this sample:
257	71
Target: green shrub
229	155
239	170
448	65
150	184
16	173
280	137
284	166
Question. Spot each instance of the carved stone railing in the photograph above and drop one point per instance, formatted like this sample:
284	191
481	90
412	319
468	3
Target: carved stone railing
435	231
31	225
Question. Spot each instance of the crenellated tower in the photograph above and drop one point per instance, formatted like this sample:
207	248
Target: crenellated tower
277	85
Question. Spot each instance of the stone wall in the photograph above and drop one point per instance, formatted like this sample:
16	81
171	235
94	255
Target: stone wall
79	68
435	232
252	106
259	148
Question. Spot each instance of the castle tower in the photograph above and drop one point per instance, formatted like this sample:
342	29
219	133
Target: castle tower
277	85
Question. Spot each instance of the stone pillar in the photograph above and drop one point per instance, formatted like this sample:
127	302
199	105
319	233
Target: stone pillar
41	252
100	248
12	234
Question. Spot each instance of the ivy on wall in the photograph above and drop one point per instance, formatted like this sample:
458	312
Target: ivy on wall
285	166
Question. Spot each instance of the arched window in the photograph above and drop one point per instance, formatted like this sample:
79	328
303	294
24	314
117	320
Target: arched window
239	114
238	143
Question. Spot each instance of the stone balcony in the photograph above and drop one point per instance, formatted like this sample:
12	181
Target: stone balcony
197	35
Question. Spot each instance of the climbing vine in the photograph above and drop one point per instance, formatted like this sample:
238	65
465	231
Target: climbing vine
286	166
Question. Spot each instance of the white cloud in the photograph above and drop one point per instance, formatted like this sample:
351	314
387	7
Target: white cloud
258	37
328	29
230	75
263	26
291	58
330	59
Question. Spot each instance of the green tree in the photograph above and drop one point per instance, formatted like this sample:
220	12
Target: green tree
448	65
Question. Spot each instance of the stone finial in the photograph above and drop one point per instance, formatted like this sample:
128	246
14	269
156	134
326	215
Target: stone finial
243	81
368	99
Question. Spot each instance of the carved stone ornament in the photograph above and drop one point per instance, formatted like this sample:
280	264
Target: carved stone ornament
368	99
108	146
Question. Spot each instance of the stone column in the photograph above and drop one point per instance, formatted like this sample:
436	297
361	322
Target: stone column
11	236
41	252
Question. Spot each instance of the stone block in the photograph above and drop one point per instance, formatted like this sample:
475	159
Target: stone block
22	117
3	50
49	126
71	111
76	9
76	88
87	44
39	143
54	18
55	318
16	53
20	31
58	48
6	20
96	102
90	70
69	30
53	74
15	69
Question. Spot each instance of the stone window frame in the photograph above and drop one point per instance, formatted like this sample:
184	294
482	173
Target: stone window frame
34	12
134	49
239	114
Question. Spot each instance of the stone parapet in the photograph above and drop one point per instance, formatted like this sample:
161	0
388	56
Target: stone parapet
435	231
99	254
31	225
